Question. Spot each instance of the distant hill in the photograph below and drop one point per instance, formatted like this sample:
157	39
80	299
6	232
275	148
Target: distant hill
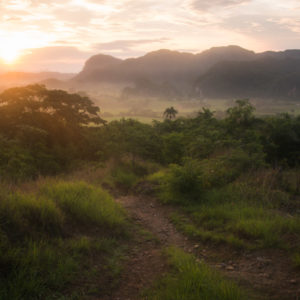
9	79
267	77
161	64
220	72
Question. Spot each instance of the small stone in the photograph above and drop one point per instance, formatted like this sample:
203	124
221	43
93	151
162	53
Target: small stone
230	268
293	281
196	246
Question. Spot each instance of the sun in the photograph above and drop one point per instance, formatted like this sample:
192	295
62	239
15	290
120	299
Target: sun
14	45
10	49
9	55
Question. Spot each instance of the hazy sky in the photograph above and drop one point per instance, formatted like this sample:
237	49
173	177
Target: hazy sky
60	35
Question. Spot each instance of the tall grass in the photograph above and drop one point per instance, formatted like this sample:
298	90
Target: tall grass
24	216
48	236
191	280
85	204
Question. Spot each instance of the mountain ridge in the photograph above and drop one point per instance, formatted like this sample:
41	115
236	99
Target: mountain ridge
219	72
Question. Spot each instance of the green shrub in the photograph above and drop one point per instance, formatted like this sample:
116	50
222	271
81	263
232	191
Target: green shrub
188	182
124	178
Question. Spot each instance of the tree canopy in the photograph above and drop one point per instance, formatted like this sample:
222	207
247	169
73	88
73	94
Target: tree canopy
25	104
46	127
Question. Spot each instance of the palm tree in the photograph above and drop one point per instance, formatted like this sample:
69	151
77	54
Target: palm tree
170	113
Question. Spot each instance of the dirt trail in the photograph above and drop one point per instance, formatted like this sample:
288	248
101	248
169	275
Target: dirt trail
268	274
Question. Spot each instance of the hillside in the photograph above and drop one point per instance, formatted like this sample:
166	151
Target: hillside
266	77
220	72
158	65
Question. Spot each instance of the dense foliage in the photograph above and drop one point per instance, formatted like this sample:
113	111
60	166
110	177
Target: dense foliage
230	179
41	130
273	140
44	131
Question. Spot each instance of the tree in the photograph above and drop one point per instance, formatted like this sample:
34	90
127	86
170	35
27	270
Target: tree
60	114
170	113
46	126
241	114
22	104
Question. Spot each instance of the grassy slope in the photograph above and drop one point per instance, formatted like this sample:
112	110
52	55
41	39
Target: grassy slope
54	236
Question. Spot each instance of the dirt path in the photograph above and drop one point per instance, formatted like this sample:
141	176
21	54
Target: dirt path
268	273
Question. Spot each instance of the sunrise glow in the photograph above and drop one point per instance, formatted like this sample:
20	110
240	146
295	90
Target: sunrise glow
71	31
9	55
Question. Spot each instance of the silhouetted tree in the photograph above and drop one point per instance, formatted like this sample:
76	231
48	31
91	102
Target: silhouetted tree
170	113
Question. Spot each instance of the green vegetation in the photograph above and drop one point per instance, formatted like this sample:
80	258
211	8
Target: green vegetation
241	213
170	113
50	236
42	131
192	280
233	180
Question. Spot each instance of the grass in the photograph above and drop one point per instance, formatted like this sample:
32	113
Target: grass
196	232
55	235
85	204
244	213
296	260
240	225
190	280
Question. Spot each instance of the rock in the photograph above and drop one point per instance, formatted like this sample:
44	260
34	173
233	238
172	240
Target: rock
230	268
293	281
196	246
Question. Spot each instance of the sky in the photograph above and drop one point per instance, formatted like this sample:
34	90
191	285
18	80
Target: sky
53	35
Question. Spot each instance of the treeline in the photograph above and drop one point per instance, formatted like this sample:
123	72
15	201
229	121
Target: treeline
43	132
272	140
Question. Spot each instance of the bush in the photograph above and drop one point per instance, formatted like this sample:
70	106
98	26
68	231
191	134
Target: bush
189	181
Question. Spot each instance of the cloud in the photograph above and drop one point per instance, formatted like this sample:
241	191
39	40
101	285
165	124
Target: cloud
69	59
127	44
292	24
206	5
126	28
